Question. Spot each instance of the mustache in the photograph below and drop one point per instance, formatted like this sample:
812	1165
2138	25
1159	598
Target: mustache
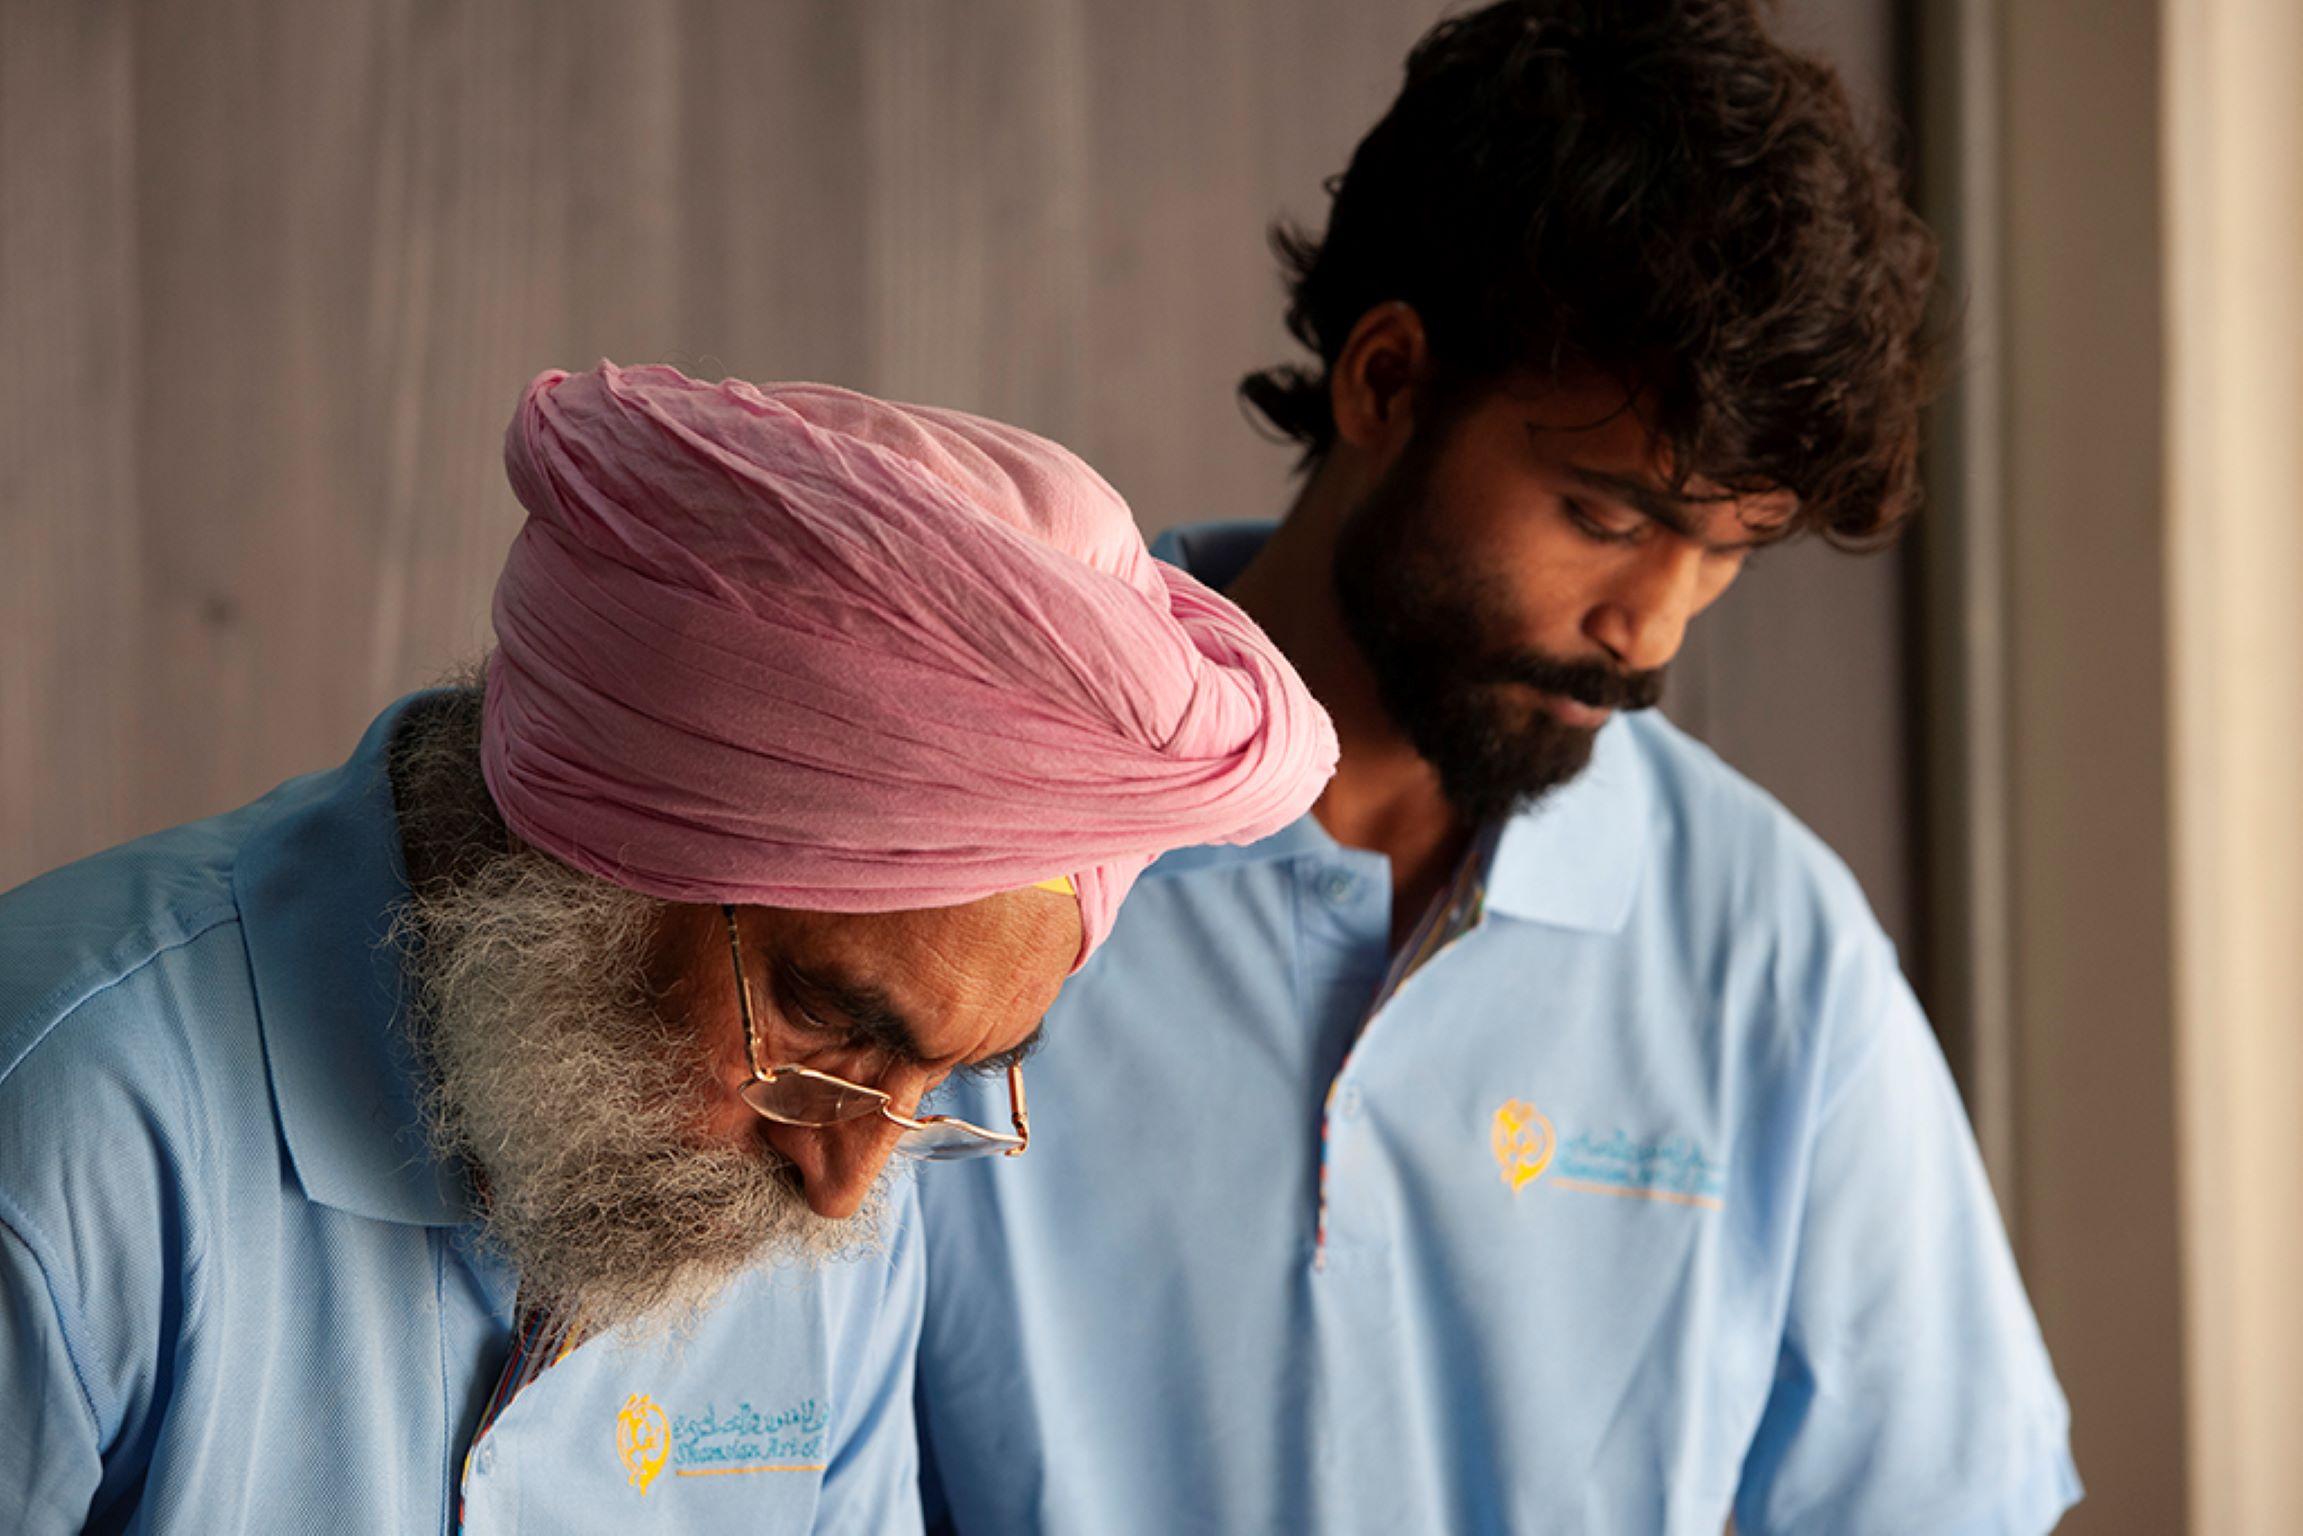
1590	683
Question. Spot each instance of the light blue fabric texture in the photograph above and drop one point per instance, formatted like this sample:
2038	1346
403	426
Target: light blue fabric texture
1647	1201
237	1294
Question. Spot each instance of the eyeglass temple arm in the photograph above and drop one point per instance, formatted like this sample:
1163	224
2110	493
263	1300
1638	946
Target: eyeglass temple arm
1022	1119
743	991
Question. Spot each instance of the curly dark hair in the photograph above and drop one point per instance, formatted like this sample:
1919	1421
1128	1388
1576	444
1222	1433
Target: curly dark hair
1657	191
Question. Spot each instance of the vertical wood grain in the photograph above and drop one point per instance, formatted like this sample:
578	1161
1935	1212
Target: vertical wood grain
71	642
975	175
1801	675
295	263
774	193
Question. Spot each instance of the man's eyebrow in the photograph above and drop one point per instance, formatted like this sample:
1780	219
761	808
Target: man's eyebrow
1673	512
866	1010
1014	1056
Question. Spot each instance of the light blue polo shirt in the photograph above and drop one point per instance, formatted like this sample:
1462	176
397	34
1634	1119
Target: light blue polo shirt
1646	1201
237	1294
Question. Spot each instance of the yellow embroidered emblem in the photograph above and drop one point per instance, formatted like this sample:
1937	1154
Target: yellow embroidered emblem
1523	1143
643	1439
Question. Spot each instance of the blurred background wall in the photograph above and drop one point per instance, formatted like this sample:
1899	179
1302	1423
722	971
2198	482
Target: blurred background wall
2233	143
273	273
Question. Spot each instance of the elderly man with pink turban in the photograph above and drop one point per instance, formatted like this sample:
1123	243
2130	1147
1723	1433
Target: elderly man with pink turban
491	1134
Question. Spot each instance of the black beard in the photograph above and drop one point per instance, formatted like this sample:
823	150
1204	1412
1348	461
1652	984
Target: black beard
1430	629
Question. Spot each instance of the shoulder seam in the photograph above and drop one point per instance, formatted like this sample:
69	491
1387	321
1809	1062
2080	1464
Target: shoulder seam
75	993
14	1223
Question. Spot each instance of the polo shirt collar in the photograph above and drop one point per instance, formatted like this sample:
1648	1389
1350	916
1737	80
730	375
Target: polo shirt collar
1571	861
1574	859
317	883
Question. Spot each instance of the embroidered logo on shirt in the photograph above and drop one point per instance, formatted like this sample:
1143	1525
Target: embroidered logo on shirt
1671	1169
1523	1143
719	1442
643	1439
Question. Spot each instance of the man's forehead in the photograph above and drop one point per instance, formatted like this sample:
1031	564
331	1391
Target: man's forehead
1719	512
1603	436
907	955
953	936
930	964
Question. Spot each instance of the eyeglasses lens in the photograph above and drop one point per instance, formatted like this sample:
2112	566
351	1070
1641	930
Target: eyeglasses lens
944	1141
797	1100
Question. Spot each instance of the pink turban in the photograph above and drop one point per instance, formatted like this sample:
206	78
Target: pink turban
792	646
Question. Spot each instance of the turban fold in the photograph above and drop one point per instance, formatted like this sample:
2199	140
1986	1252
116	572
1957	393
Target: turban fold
792	646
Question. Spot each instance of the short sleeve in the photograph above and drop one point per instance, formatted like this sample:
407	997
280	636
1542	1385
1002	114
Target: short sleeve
1912	1392
50	1463
871	1487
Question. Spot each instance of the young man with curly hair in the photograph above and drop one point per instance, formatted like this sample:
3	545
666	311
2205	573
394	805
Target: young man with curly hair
1539	1136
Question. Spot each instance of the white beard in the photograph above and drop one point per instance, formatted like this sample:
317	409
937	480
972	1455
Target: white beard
582	1109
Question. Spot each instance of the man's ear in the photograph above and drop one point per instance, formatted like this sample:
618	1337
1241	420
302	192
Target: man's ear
1372	387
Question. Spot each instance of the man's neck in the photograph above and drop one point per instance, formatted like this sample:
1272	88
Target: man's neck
1384	796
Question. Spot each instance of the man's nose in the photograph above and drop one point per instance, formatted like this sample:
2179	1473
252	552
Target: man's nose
1643	618
849	1157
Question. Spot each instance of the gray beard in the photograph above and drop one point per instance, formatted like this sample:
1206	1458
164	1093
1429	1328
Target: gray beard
554	1077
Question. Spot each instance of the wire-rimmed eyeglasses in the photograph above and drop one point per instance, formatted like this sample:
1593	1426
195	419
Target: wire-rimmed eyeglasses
795	1095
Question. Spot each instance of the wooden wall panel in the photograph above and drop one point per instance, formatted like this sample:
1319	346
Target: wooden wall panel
775	193
1200	147
71	639
1801	675
975	177
301	259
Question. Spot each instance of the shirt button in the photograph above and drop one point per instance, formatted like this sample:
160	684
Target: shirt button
1338	887
1347	1101
486	1460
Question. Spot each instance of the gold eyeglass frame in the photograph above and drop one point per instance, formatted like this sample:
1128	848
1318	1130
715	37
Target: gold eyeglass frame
1003	1143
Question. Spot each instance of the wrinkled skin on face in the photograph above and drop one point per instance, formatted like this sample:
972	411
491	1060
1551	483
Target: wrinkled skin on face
894	1000
584	1050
